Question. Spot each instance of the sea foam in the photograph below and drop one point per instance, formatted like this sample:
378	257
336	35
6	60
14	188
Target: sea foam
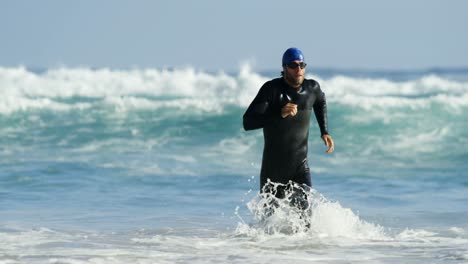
321	219
64	89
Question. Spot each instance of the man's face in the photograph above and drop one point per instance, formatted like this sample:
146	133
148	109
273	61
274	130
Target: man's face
294	72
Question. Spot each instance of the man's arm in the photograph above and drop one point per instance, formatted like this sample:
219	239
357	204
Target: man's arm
258	113
320	110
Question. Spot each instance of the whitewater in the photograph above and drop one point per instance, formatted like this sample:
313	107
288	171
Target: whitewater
153	166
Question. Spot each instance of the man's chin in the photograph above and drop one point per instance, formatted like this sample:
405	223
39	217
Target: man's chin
298	80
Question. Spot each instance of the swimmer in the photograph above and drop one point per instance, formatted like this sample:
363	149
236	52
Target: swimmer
283	108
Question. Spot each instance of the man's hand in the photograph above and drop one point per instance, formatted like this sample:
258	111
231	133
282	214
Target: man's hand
289	109
329	143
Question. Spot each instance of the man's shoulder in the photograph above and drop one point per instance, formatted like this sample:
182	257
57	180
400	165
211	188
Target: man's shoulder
311	83
274	84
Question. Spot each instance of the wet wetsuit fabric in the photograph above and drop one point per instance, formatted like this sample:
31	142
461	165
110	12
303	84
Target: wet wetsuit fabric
285	150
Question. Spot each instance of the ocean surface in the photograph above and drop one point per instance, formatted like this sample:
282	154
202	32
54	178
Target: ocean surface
153	166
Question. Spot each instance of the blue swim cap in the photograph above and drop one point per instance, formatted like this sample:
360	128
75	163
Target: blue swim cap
292	54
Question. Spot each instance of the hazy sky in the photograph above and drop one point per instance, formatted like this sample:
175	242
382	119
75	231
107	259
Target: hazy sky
221	34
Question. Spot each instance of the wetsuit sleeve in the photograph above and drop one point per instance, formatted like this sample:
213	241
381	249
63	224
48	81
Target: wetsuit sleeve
320	110
259	112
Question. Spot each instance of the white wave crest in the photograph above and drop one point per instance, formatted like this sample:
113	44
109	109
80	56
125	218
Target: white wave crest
21	89
380	93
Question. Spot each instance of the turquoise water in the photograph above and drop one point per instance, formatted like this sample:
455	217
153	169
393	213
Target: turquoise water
153	166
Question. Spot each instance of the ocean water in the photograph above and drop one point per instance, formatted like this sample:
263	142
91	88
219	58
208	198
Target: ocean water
153	166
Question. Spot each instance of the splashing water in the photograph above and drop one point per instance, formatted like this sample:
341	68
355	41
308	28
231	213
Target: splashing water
304	211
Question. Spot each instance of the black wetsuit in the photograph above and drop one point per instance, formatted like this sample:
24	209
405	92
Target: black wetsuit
285	151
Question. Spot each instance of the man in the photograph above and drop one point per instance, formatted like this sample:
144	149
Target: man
283	108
